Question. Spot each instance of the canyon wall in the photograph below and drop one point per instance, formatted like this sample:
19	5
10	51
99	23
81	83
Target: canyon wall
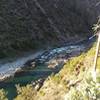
32	23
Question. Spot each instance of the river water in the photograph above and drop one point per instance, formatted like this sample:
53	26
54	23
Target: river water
9	67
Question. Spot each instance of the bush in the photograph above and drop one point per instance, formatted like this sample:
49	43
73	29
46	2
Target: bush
25	93
3	95
86	90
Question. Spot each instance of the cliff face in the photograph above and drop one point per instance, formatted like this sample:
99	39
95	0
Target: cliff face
35	22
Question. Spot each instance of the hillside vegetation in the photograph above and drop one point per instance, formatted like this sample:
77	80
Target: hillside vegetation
74	81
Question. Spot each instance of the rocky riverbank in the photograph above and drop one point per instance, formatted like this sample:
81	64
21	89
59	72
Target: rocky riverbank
9	67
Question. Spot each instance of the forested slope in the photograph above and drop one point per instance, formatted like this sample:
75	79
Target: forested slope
26	24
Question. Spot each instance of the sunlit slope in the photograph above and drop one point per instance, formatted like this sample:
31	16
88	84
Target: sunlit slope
73	82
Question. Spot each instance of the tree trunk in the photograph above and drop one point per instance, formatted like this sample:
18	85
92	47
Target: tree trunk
95	59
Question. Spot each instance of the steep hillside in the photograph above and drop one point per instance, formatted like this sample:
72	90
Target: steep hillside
29	24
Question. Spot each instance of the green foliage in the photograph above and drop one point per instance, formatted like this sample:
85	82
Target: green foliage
96	27
42	93
91	52
98	63
56	78
87	90
25	93
3	95
70	66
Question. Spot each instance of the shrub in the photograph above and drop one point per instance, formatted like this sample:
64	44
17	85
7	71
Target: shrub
25	93
3	95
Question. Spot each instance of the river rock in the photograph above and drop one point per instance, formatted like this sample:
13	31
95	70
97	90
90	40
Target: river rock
52	64
29	64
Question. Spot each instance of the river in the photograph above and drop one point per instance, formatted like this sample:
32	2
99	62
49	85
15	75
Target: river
41	70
